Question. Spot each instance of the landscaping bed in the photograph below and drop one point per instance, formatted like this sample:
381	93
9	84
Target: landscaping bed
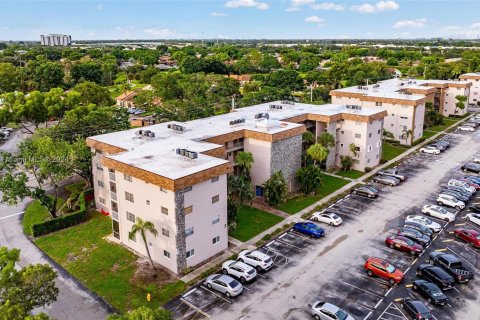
251	221
352	174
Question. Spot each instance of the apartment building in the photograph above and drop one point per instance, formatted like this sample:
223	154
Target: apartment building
175	174
474	79
55	40
404	100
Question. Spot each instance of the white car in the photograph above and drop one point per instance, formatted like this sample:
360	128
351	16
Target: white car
474	217
256	259
450	201
329	218
424	221
466	128
438	212
239	270
476	160
430	150
327	311
224	284
461	184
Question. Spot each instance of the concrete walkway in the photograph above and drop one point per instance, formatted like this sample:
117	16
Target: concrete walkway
297	217
259	203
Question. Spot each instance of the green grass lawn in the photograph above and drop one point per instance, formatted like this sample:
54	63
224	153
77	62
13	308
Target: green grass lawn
36	213
352	174
104	267
427	133
330	184
391	151
251	221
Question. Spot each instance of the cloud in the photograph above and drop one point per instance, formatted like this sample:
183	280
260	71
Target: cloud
298	3
328	6
219	14
247	3
159	32
417	23
462	32
91	34
315	19
293	9
99	7
378	7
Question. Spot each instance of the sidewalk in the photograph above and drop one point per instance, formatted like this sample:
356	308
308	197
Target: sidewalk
298	216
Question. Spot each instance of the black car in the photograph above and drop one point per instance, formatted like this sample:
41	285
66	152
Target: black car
416	309
419	227
436	275
455	194
462	191
452	265
430	291
414	235
470	166
443	142
475	208
367	191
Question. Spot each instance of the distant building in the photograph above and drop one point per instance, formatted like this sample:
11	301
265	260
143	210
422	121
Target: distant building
474	79
53	40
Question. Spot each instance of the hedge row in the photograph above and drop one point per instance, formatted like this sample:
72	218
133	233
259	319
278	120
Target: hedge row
62	222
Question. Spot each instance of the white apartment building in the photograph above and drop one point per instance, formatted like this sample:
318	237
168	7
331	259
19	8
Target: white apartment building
404	100
474	79
175	174
55	40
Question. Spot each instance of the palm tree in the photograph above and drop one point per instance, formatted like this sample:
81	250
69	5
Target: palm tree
327	140
275	189
353	149
460	103
406	134
308	138
318	153
245	161
142	227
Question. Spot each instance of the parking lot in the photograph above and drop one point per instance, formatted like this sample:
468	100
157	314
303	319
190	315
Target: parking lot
331	268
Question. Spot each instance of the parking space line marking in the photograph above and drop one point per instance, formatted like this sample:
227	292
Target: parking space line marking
368	315
216	294
195	308
351	285
297	234
351	301
283	235
440	250
186	294
389	290
395	315
409	286
261	276
291	245
448	240
378	303
269	243
456	289
459	224
246	288
379	281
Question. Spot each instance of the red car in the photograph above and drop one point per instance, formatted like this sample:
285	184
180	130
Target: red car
470	183
383	269
472	237
403	244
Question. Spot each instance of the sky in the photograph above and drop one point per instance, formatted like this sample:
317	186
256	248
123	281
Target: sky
240	19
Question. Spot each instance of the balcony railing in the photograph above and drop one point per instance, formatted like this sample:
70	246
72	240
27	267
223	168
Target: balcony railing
113	195
111	175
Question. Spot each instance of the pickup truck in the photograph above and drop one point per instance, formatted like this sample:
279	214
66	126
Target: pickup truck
393	173
452	265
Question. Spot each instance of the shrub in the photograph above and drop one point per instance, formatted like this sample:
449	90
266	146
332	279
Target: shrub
368	169
418	141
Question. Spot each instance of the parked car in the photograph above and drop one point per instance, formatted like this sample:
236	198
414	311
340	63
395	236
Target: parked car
403	244
474	217
439	146
435	227
256	259
383	269
415	235
224	284
476	160
452	265
416	309
471	183
326	311
310	229
471	166
7	129
463	191
430	150
465	128
327	217
393	173
446	200
456	194
443	142
387	180
473	124
430	291
472	237
239	270
419	227
461	184
438	212
436	275
367	191
474	179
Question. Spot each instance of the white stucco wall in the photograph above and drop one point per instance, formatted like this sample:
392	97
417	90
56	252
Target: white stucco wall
262	153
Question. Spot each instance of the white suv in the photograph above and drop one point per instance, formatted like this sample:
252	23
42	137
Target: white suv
239	270
461	184
438	212
256	259
448	200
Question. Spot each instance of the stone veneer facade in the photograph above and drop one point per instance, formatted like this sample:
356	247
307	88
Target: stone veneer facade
180	234
287	157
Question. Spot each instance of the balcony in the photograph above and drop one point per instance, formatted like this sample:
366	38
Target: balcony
111	175
113	195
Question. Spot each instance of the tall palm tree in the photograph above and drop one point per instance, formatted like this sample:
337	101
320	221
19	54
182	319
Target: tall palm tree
143	227
460	102
406	134
245	161
327	140
318	153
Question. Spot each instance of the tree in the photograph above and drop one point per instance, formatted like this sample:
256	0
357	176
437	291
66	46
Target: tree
326	139
93	93
460	104
407	134
24	289
308	138
318	153
347	163
47	75
239	189
309	179
88	71
354	149
244	160
143	227
143	313
275	189
387	135
9	78
30	109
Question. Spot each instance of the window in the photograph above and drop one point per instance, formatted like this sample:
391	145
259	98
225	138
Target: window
188	210
101	184
166	254
101	200
358	135
164	210
369	148
216	240
379	144
341	145
377	156
393	114
99	167
147	202
215	179
342	132
187	189
370	135
190	253
165	232
378	131
391	125
216	220
368	161
378	104
130	217
404	117
127	177
358	123
128	196
189	231
163	189
215	198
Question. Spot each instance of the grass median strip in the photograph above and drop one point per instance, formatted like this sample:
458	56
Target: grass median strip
251	221
390	151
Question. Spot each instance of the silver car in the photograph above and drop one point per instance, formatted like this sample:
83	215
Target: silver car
327	311
224	284
239	270
388	180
